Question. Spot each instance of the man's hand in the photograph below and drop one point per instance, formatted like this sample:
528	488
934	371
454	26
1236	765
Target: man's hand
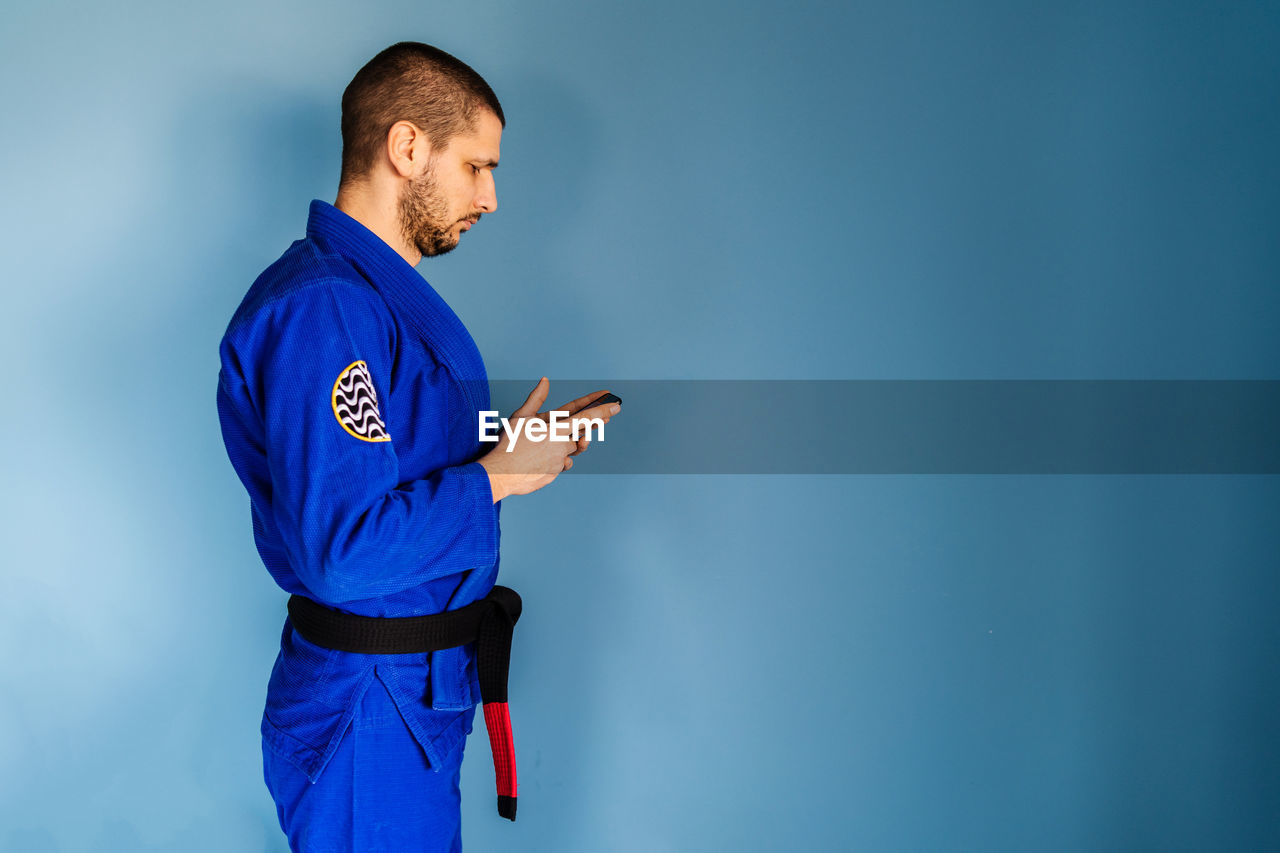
533	464
603	412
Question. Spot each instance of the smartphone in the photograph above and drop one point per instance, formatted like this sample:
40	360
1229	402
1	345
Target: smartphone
598	401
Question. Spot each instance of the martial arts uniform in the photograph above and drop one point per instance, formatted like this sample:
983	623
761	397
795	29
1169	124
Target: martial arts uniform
348	399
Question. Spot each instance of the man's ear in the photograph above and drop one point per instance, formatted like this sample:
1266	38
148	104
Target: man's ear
407	148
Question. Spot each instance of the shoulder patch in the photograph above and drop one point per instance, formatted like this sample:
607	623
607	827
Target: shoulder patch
355	404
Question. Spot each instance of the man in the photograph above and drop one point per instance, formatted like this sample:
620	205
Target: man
348	397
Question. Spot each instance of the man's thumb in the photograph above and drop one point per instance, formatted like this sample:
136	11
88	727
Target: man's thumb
535	399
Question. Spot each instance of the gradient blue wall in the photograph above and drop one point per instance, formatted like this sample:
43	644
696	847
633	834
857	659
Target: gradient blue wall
728	190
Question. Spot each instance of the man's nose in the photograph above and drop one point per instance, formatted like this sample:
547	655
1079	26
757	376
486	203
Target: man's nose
487	200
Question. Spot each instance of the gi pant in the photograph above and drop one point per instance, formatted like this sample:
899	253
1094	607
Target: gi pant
377	793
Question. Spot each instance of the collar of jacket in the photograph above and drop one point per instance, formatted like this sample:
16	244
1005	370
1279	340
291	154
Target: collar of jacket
406	292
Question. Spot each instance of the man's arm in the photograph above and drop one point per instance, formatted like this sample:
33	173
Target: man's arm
351	529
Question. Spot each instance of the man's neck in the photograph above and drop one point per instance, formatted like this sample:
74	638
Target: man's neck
380	216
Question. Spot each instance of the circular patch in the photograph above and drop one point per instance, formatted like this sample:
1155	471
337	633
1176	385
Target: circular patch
355	404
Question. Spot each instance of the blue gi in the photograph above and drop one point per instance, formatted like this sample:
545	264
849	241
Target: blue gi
348	397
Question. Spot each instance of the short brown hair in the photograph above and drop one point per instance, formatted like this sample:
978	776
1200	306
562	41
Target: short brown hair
410	81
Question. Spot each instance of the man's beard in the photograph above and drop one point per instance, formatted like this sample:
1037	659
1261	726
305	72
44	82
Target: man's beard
424	213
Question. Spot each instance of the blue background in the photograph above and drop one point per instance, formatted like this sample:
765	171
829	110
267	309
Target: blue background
727	190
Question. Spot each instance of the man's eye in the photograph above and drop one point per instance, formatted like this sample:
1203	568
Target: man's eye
475	170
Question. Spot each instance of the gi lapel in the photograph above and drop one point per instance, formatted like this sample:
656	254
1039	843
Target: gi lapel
409	294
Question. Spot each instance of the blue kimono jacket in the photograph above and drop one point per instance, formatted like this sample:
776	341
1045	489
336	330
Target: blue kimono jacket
348	397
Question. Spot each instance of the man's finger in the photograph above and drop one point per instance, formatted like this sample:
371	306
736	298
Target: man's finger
573	405
604	412
535	399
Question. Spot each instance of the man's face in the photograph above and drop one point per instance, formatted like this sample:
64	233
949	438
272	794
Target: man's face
453	189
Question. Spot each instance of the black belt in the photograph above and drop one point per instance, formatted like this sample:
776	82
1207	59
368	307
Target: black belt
488	622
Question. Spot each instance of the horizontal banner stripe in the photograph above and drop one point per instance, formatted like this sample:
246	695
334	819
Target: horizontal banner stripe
926	426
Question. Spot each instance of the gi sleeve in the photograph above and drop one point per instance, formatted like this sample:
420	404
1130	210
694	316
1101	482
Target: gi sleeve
350	528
